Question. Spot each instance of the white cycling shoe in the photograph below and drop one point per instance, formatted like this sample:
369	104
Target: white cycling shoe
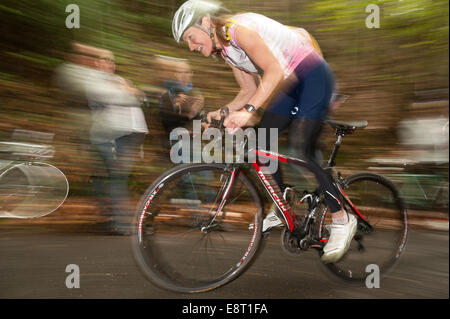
339	241
271	220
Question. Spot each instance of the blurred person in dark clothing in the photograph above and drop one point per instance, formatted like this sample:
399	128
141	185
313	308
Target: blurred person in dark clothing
178	107
180	102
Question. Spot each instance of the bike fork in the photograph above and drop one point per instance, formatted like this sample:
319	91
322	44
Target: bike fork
223	197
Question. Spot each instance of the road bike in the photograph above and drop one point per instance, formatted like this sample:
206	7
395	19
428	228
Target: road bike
199	225
29	186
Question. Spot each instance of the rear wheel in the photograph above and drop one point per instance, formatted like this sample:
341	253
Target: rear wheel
382	226
181	243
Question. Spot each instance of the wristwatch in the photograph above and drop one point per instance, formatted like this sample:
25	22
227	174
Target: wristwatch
250	108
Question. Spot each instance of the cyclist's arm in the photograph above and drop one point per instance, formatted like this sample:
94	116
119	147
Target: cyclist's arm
247	86
260	54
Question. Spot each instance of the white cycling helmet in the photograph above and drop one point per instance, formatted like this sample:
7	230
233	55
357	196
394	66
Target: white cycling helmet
189	14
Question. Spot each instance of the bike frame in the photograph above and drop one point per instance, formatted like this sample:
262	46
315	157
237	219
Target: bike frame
274	190
272	187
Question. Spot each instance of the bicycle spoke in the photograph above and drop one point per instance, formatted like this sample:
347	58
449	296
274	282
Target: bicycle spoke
191	248
382	229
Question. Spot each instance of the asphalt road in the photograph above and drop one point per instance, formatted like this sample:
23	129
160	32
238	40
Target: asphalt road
33	263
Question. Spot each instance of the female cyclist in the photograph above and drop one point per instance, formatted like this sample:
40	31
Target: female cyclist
295	87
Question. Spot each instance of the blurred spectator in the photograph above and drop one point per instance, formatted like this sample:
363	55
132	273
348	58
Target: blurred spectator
116	125
427	139
180	102
178	106
73	77
118	130
423	139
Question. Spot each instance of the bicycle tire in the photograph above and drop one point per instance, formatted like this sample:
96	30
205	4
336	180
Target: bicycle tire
378	201
169	245
32	190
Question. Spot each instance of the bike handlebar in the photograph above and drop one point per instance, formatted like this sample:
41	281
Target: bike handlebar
224	112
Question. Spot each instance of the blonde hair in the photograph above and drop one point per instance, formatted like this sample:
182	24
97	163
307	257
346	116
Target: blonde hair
222	23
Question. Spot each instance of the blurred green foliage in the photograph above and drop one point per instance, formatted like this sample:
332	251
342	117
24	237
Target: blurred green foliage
382	69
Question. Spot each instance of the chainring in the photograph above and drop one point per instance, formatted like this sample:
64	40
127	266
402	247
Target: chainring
289	243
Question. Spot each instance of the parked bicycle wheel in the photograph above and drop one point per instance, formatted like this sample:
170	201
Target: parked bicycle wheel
181	243
382	226
31	190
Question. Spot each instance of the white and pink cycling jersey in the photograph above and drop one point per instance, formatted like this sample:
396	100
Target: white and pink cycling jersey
288	45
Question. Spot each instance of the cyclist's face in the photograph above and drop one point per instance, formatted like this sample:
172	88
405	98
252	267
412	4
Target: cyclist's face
198	40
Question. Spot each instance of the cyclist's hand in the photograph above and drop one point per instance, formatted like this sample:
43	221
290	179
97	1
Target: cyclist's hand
237	120
215	115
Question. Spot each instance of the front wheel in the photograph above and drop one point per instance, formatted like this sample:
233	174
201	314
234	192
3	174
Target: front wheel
382	226
184	243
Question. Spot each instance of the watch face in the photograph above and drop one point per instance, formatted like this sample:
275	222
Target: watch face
249	108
